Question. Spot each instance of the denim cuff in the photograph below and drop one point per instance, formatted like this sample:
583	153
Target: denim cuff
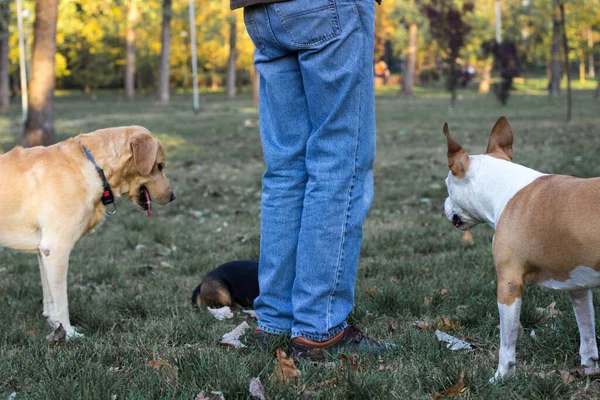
319	337
272	331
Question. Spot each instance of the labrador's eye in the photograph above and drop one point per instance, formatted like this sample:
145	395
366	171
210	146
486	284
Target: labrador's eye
161	167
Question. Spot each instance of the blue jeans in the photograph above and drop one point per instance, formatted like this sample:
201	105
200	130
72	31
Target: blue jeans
317	120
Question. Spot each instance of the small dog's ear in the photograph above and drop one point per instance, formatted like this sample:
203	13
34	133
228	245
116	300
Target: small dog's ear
144	149
500	144
458	158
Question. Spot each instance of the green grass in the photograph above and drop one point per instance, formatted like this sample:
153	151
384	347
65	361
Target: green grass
132	310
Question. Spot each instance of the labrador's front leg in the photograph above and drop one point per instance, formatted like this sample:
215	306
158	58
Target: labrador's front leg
48	304
55	263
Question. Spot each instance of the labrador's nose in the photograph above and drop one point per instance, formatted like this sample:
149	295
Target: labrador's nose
172	196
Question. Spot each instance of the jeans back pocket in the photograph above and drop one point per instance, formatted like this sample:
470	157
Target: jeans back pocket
309	22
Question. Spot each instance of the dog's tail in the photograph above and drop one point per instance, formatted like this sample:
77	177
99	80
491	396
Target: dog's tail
211	292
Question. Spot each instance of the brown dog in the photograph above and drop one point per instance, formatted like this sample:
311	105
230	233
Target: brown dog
52	196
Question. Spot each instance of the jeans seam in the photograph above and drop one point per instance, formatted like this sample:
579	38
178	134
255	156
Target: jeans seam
272	331
347	216
299	13
261	45
318	337
270	27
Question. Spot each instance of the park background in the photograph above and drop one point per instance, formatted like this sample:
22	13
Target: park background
97	63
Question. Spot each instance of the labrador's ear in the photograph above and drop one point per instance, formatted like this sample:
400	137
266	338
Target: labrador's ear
144	148
500	144
458	158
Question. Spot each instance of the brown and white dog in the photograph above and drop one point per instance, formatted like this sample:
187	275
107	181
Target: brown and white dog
547	233
52	196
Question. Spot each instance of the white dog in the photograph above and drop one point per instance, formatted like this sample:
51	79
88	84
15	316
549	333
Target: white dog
547	232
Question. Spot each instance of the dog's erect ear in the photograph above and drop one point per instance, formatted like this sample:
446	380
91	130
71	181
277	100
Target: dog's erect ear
144	149
458	159
500	144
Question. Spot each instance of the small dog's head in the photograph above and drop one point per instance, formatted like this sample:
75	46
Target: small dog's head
145	175
463	184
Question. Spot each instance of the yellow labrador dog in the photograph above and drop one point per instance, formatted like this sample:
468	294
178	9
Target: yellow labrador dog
52	196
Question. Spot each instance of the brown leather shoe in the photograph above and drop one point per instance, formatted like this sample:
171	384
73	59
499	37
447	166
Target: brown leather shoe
350	339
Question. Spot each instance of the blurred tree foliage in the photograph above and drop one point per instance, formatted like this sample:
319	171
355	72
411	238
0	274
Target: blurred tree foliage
91	39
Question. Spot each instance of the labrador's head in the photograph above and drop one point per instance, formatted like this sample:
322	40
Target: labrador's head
145	173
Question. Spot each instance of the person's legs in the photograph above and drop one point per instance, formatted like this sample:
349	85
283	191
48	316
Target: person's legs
285	127
335	57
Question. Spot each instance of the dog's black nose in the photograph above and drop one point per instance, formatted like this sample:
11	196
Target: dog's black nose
456	221
172	197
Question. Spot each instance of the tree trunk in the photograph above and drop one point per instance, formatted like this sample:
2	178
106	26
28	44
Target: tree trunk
39	128
408	79
452	81
591	66
555	61
581	67
165	46
132	17
255	86
486	77
4	20
566	51
411	59
232	58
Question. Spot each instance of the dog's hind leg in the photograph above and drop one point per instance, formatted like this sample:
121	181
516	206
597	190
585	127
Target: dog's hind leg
584	312
48	305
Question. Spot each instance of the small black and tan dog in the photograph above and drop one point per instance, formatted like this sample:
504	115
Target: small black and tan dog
233	283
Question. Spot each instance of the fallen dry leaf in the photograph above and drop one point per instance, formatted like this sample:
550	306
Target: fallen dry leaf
422	325
285	370
457	389
30	332
256	389
427	300
232	339
467	239
251	314
453	343
548	312
445	292
566	377
221	313
165	370
351	360
369	294
448	325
